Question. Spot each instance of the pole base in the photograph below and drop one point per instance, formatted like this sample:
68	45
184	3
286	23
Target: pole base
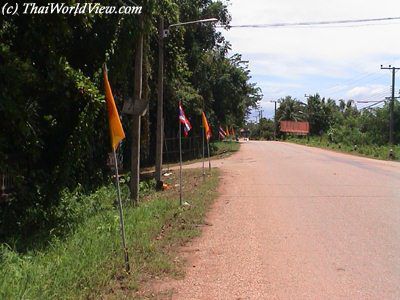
391	154
159	185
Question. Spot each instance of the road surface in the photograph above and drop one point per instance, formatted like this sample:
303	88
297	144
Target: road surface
294	222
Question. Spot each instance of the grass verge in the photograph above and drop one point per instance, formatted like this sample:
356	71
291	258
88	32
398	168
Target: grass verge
372	151
219	150
224	147
88	262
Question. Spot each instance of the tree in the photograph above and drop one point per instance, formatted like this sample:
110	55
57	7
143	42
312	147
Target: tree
53	128
321	113
291	109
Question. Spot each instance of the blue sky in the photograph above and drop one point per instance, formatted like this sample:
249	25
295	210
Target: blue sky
337	62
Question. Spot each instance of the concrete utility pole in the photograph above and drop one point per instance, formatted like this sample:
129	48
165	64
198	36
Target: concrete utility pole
308	114
160	105
162	34
308	107
275	123
391	104
139	109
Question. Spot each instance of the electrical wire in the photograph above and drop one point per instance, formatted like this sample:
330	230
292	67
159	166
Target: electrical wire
345	86
372	105
313	23
346	83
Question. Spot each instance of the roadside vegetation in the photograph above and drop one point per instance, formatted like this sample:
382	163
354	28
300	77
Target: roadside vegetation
338	125
54	135
88	261
224	148
373	151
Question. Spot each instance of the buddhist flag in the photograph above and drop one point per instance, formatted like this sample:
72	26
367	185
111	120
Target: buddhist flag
207	128
116	131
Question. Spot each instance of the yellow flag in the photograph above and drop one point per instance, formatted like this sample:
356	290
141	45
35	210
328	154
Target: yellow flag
116	131
206	126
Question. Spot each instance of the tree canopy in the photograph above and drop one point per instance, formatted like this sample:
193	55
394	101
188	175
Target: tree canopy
53	126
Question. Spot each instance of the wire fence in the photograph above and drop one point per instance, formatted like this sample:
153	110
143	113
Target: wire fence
6	184
192	148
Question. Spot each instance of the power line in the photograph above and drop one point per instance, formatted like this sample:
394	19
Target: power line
376	103
340	88
376	96
346	83
312	23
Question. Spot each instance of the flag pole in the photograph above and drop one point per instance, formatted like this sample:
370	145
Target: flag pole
209	156
203	133
121	216
180	159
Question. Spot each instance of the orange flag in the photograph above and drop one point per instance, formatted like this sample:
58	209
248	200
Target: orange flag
233	131
227	131
206	126
116	131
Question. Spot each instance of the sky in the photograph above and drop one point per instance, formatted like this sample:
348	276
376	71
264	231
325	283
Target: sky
334	61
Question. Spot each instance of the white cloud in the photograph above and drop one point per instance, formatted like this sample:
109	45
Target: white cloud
305	60
371	91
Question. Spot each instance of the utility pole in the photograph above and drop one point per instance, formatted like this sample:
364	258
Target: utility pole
275	123
160	105
162	34
308	115
139	108
308	107
260	112
391	103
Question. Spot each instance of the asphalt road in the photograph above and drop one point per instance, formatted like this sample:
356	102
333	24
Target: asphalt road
294	222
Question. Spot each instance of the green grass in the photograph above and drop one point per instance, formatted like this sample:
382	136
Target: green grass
373	151
218	150
89	261
226	147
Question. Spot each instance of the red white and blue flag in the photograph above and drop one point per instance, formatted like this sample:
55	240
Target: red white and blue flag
222	132
185	122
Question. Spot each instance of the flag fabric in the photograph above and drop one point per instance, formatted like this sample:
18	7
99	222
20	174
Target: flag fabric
207	128
221	132
233	131
116	131
185	122
227	131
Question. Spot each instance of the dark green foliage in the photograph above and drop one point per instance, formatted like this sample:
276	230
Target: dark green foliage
342	123
291	109
53	125
264	130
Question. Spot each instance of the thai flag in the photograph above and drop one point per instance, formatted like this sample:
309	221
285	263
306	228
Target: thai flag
185	122
222	133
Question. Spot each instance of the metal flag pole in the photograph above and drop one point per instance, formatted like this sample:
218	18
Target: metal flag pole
209	155
203	133
180	159
121	216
